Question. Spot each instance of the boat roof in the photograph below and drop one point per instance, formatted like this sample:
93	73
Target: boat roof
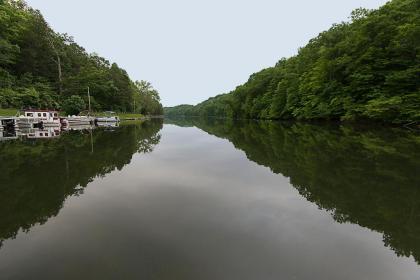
39	110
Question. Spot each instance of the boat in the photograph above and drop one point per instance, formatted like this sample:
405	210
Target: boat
23	122
79	120
109	118
108	124
7	123
44	118
114	119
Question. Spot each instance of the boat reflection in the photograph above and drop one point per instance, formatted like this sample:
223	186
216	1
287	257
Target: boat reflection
37	133
79	127
50	132
7	135
75	158
108	124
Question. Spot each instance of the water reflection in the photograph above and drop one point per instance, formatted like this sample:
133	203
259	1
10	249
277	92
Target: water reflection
362	175
49	132
38	176
36	133
195	207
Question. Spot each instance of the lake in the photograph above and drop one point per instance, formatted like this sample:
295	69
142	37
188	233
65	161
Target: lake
212	199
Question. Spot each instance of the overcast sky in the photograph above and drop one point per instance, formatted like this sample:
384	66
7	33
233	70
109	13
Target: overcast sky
193	49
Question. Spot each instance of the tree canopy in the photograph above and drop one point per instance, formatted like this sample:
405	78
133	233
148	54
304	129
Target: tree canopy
42	68
366	68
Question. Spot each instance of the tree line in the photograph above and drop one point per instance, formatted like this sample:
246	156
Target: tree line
40	68
365	69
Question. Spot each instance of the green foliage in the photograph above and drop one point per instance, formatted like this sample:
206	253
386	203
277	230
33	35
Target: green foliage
74	105
147	100
368	68
31	54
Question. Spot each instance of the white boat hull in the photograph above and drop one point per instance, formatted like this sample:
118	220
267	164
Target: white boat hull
107	120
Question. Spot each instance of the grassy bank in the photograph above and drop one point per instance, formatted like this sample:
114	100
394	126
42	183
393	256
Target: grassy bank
8	112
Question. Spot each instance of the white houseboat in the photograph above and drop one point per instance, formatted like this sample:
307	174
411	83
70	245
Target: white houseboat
47	118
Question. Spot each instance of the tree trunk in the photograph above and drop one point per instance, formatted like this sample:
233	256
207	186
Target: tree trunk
60	77
58	62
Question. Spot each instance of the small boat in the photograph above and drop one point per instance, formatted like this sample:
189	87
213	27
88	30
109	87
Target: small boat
79	120
114	119
108	124
109	117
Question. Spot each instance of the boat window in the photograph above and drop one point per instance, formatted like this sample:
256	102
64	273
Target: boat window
41	134
45	114
55	115
39	114
46	134
29	114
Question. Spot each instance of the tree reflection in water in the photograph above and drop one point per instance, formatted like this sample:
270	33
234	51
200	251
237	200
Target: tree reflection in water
38	176
362	175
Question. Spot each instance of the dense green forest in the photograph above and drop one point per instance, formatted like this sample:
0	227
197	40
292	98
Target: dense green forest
43	69
361	175
364	69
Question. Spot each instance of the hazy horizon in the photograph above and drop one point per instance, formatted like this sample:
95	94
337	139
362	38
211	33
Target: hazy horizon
191	51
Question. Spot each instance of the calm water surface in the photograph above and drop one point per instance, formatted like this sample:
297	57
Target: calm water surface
194	199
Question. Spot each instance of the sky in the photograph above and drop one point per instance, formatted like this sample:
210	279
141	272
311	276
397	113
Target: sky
191	50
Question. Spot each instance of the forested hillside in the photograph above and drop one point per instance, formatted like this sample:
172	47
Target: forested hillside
43	69
367	68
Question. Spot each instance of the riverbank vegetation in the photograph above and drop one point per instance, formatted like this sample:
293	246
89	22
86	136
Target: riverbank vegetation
364	69
43	69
